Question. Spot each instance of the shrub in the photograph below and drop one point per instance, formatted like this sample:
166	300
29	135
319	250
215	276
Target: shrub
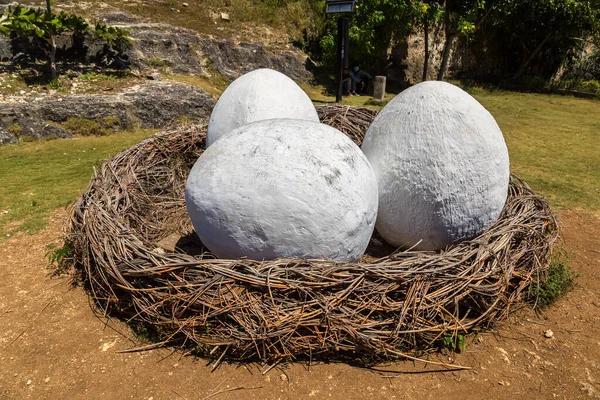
111	122
558	280
93	127
591	86
15	129
84	127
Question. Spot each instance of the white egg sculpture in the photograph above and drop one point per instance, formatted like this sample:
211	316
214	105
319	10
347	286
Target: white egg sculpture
283	188
256	96
441	164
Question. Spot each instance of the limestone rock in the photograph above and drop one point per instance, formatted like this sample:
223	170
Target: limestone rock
442	167
180	50
155	104
161	103
283	188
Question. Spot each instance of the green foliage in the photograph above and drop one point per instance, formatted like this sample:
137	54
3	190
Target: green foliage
60	258
36	23
95	76
455	343
27	22
57	255
558	280
461	16
15	129
4	25
55	84
92	127
116	38
428	11
591	86
84	127
535	36
375	24
111	122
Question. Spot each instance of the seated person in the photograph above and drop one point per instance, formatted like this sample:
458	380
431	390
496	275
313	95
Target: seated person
349	83
361	78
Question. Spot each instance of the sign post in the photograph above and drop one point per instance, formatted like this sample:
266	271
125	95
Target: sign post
343	45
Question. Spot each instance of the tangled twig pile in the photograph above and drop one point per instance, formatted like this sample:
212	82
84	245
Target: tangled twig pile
390	307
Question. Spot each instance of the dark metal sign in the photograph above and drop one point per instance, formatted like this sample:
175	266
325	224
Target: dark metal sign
340	6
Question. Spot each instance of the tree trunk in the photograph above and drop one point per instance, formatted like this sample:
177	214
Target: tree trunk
532	56
426	58
445	57
53	57
448	44
48	8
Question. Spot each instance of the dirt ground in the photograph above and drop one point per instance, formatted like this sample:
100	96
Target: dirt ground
53	347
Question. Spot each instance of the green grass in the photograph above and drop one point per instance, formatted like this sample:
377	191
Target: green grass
11	84
553	142
39	177
213	86
318	95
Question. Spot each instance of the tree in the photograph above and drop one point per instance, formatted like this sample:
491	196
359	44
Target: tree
373	27
376	24
429	12
45	26
459	19
537	35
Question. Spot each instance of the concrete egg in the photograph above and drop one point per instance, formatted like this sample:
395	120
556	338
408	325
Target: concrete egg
442	167
259	95
283	188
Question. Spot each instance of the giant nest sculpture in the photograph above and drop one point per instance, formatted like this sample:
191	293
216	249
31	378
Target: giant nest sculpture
285	209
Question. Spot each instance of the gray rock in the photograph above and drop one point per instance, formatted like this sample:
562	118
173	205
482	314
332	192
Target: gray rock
150	105
89	107
5	49
175	48
187	52
234	60
184	51
6	137
159	104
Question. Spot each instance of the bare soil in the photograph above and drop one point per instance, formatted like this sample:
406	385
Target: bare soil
53	347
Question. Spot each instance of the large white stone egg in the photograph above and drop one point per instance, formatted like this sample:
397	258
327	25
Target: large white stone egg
258	95
283	188
441	164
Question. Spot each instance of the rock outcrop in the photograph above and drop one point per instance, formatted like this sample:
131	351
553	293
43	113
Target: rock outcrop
182	51
150	105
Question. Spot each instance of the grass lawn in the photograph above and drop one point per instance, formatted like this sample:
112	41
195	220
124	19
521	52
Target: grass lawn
39	177
554	144
553	141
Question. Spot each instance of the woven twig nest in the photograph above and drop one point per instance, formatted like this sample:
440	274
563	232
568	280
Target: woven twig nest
380	308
